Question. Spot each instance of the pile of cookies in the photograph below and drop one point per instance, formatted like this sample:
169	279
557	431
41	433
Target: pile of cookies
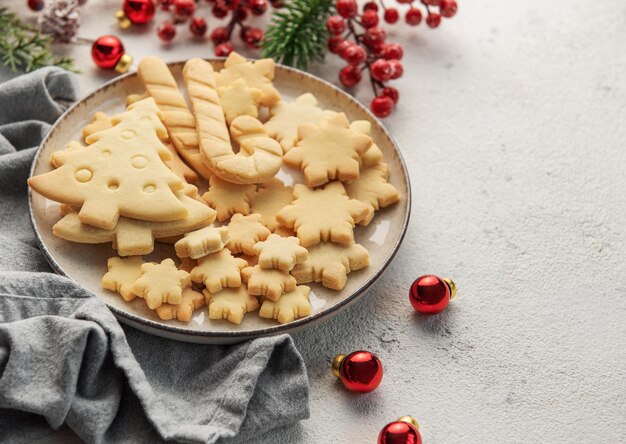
249	241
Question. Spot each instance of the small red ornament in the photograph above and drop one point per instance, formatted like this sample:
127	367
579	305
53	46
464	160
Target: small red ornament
198	26
166	31
36	5
108	53
431	294
403	431
360	371
139	12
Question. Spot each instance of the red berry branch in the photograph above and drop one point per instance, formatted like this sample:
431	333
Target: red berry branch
359	40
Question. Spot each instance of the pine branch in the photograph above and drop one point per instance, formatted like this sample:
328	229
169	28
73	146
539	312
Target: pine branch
22	47
297	34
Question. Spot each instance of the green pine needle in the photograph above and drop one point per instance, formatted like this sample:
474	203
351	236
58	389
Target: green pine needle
22	47
297	34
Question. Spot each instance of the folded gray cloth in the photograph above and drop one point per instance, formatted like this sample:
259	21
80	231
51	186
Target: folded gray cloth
64	359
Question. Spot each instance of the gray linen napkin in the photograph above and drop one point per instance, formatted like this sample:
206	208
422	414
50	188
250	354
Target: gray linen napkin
64	359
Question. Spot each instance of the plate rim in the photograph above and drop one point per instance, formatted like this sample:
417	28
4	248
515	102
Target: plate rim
243	334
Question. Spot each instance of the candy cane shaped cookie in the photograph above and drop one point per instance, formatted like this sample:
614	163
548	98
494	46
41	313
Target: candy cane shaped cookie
259	157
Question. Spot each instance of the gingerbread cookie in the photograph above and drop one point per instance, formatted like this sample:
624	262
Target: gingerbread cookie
373	155
237	99
231	304
121	173
258	74
323	214
201	242
330	264
267	282
228	198
285	117
259	157
218	270
161	283
372	189
289	307
179	121
270	198
191	300
122	274
279	252
244	232
328	151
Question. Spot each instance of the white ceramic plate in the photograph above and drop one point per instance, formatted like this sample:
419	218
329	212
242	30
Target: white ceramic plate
87	263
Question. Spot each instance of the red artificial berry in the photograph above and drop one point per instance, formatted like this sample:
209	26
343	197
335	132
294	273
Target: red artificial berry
257	7
166	31
36	5
448	8
165	4
347	8
405	1
392	51
381	106
229	4
333	43
354	55
374	37
369	19
219	12
335	24
413	17
350	76
391	15
396	69
277	3
381	70
240	14
198	26
433	2
370	6
342	46
184	8
219	35
223	49
392	93
253	38
433	19
243	31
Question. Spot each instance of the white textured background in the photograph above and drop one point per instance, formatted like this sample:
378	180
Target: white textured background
512	120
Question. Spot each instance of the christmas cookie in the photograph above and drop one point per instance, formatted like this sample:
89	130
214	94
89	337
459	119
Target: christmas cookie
289	307
258	74
285	117
179	121
372	189
271	196
187	264
279	252
328	151
325	214
122	274
99	122
238	99
259	157
244	232
330	264
373	155
267	282
201	242
191	300
231	304
161	283
228	198
218	270
121	173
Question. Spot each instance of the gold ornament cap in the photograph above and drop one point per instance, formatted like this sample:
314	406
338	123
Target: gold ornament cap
452	287
410	420
337	365
122	20
124	63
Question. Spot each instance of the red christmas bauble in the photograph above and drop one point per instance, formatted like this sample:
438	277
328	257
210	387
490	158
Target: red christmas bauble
36	5
107	51
360	371
402	431
431	294
139	12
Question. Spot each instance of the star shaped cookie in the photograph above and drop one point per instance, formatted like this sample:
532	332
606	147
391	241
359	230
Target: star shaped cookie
122	274
161	283
190	301
270	197
372	189
218	270
325	214
280	252
231	304
228	198
330	264
201	242
258	74
291	306
268	282
328	151
244	232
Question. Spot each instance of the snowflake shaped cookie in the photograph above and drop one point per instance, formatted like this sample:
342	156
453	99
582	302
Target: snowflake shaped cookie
122	274
228	198
280	252
270	198
372	188
244	232
218	270
267	282
231	304
161	283
258	74
190	301
291	306
238	99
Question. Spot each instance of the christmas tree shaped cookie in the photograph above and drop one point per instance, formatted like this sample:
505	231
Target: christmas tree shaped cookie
191	300
270	198
268	282
228	198
328	151
161	283
258	74
282	253
244	232
231	304
325	214
122	274
218	270
120	173
372	189
330	264
289	307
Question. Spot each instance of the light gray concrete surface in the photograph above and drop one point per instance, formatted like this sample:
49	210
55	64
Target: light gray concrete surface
511	120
